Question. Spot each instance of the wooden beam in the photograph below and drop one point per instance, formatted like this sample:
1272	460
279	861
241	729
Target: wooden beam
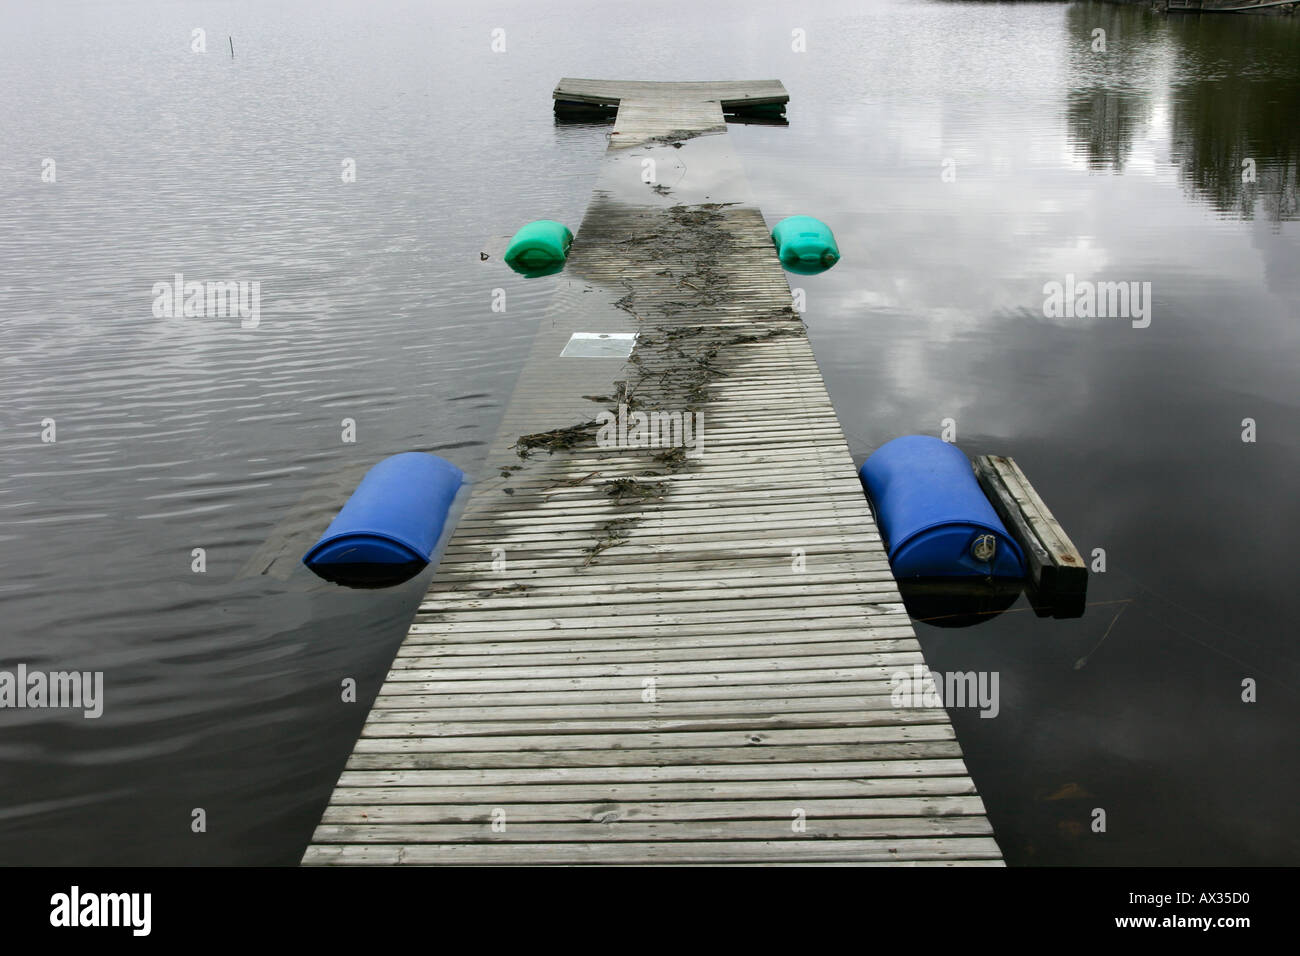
1054	564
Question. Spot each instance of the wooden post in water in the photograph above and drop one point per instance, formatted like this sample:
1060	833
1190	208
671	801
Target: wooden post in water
1055	566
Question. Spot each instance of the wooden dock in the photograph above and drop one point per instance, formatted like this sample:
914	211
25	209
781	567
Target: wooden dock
1227	6
662	655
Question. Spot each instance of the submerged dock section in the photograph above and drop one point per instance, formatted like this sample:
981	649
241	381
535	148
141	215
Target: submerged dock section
665	630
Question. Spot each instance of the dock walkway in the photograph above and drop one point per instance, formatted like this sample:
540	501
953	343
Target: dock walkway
661	655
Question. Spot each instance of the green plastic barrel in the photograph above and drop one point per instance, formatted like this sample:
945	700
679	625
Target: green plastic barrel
805	245
539	247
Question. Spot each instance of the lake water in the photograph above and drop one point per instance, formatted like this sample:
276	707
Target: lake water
965	154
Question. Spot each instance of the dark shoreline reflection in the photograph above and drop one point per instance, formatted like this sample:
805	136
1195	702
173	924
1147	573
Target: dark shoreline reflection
1247	109
1231	84
1106	107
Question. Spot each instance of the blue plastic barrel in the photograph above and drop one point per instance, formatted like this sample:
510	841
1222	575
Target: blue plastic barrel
805	245
933	513
388	529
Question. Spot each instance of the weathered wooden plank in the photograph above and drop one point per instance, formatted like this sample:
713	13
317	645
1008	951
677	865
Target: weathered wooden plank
549	776
711	573
929	806
815	627
809	682
1055	565
868	678
403	723
749	740
506	832
640	650
637	607
391	760
816	850
498	794
728	92
434	620
428	709
755	666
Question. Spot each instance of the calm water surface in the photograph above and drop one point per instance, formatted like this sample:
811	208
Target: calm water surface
222	688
